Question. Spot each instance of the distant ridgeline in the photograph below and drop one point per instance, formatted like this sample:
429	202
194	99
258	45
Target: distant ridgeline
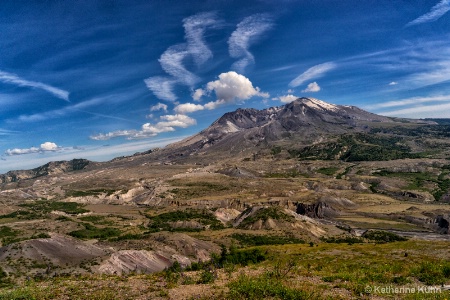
47	169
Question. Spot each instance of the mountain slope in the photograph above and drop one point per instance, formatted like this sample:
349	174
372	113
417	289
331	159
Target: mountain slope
305	121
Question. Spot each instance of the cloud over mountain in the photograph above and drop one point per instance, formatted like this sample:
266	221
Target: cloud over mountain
313	72
230	87
313	87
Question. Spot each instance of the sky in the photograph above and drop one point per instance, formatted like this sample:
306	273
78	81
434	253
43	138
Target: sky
100	79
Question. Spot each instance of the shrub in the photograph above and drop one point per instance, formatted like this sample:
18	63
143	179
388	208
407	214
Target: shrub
92	232
162	221
260	240
383	236
264	287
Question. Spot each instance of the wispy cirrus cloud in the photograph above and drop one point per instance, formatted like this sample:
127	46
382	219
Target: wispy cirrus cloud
6	132
316	71
81	107
57	113
162	87
434	14
249	31
195	27
424	111
168	123
411	101
173	59
11	78
172	63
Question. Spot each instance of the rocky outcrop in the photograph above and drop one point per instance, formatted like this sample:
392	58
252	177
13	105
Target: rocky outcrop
440	224
319	210
139	261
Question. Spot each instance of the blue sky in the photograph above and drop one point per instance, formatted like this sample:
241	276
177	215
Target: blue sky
98	79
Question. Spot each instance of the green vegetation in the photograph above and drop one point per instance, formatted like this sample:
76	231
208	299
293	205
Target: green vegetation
358	147
249	240
327	171
343	239
164	222
92	232
273	212
8	235
42	208
346	171
417	180
324	271
383	236
263	286
127	236
242	257
100	220
378	236
429	131
275	150
21	215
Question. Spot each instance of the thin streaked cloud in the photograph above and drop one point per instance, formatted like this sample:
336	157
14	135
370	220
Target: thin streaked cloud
434	14
11	78
316	71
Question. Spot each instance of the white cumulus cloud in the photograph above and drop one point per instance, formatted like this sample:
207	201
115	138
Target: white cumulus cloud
159	106
313	87
214	104
287	99
233	86
188	108
393	83
247	32
47	146
198	94
313	72
168	123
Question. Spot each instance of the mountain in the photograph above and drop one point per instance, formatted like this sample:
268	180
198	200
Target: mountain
305	121
50	168
306	125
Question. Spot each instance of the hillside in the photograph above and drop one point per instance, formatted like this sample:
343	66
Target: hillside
279	199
